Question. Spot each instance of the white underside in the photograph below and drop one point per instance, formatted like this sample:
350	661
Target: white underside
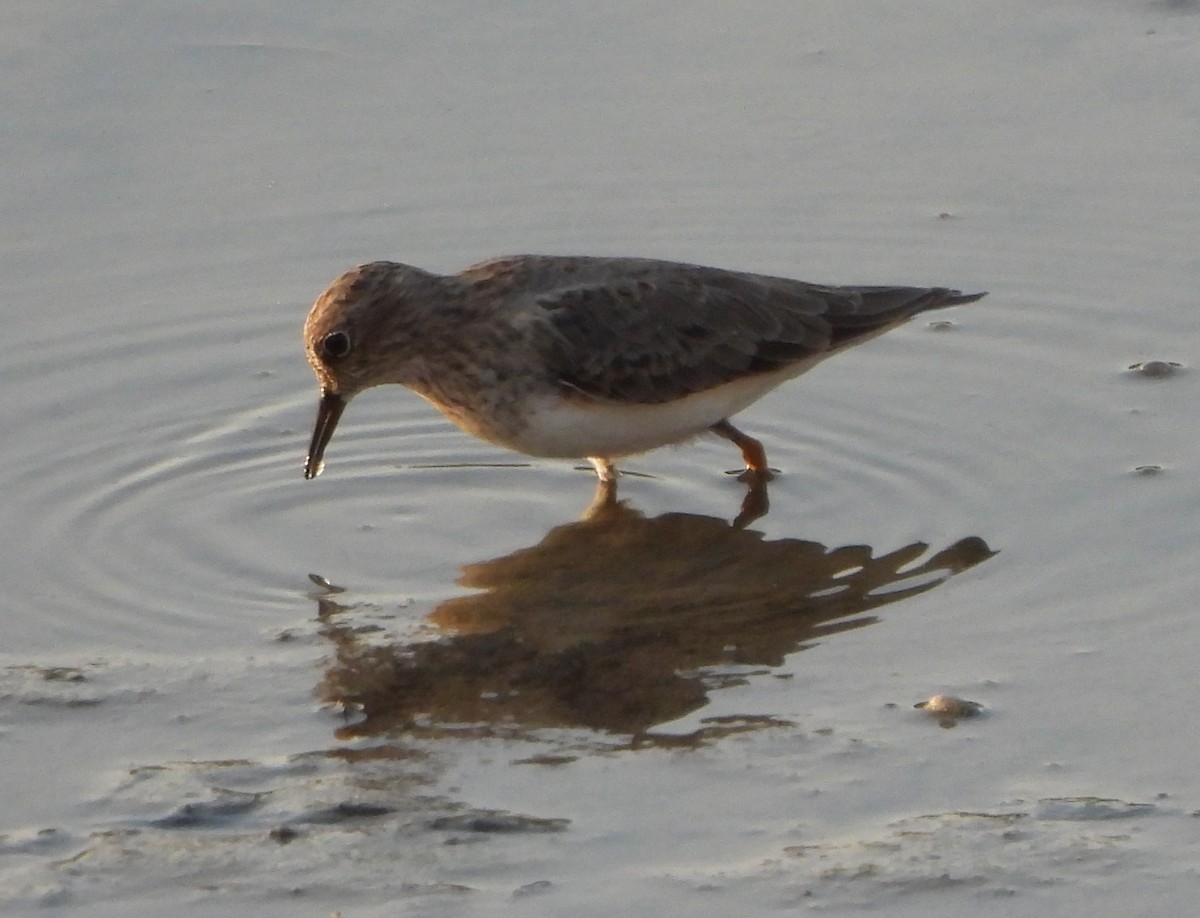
570	428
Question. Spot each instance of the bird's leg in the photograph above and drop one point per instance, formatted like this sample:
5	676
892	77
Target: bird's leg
605	499
752	452
605	470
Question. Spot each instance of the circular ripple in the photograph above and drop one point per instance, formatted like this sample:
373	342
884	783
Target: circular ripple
154	480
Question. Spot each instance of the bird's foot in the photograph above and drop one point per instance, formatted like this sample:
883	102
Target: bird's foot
752	476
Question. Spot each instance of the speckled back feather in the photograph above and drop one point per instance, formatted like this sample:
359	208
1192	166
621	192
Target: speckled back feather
646	331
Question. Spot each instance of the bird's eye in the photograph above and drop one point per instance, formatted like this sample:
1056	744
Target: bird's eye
335	345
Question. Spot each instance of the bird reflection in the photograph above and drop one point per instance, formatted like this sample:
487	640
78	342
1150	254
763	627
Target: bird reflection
619	623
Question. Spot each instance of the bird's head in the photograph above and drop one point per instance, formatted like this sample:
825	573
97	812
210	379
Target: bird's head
358	335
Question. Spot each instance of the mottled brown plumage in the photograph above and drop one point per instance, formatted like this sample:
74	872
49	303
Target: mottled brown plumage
587	357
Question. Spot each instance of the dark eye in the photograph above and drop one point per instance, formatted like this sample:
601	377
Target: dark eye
335	345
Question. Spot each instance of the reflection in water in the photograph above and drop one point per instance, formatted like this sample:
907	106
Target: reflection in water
619	623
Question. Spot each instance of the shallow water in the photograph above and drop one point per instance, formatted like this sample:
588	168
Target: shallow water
485	699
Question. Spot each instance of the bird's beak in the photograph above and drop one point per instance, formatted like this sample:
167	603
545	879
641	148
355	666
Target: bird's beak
329	409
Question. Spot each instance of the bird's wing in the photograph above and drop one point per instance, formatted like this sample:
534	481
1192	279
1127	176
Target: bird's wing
641	331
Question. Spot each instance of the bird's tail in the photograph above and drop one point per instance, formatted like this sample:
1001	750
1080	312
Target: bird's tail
954	297
876	309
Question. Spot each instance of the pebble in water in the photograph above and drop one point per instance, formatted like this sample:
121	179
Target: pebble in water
949	709
1156	369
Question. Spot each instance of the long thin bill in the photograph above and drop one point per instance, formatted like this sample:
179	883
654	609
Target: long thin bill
329	409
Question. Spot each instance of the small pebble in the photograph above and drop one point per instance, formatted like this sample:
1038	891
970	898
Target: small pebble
1157	369
948	707
325	584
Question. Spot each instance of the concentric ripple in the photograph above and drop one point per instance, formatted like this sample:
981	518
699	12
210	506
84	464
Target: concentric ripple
153	480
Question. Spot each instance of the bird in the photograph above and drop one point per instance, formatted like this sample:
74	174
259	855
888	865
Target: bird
586	357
